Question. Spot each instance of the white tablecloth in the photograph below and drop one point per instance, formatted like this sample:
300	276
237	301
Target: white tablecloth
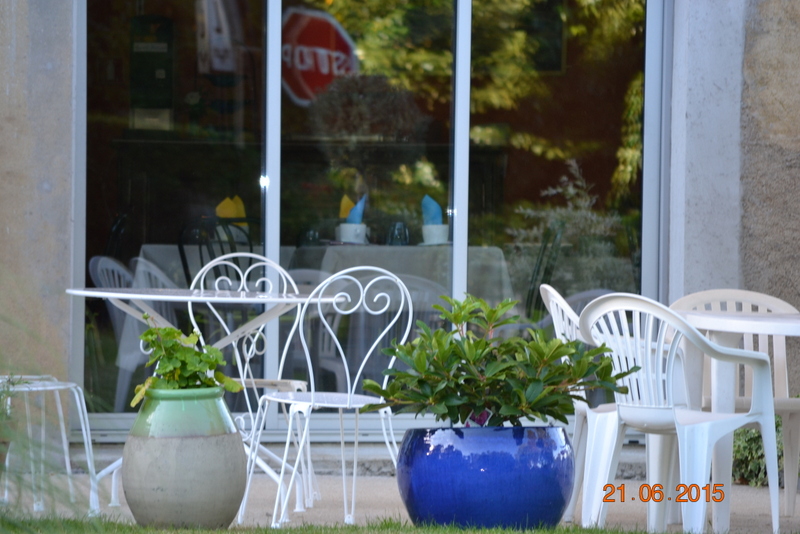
168	259
487	272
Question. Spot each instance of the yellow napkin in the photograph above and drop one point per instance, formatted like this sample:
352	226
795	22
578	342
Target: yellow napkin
345	207
231	208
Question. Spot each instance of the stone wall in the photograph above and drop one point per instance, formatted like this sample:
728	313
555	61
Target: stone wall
770	256
771	149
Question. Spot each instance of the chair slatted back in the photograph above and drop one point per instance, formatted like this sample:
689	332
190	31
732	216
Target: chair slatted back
744	301
643	336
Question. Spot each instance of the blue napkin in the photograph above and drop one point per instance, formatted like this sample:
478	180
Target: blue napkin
431	211
357	213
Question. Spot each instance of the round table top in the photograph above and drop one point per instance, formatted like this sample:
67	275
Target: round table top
189	295
775	324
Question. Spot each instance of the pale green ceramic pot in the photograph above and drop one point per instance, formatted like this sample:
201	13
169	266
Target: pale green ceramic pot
184	464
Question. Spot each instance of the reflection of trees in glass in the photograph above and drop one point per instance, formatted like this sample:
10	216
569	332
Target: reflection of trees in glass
409	41
595	251
372	134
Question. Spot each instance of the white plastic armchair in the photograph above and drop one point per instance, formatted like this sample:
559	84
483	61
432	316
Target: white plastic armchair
645	333
788	408
369	290
586	421
246	271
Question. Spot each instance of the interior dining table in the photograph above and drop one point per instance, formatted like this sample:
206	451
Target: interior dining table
487	271
727	329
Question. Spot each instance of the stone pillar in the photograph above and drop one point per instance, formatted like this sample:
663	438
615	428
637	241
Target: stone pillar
38	143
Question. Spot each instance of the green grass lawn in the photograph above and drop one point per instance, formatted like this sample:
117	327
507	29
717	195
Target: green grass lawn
12	524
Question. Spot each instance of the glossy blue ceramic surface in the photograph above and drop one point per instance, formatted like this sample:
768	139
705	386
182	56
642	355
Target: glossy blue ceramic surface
486	477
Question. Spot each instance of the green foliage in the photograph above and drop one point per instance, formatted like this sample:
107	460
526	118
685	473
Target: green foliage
6	394
749	466
469	375
180	365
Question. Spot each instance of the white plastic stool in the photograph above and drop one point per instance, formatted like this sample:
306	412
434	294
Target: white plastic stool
41	384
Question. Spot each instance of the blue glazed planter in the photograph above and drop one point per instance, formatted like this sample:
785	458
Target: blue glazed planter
513	477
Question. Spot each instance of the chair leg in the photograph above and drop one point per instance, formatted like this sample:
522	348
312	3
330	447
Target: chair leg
83	417
604	438
349	504
661	458
279	515
791	454
64	444
388	434
694	448
768	435
579	450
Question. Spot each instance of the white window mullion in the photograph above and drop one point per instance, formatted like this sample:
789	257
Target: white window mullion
460	178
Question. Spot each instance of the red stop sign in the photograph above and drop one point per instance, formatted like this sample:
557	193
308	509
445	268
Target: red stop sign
315	51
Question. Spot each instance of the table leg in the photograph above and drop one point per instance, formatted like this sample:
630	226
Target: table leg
723	382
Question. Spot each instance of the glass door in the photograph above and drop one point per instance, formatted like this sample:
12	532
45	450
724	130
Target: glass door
174	148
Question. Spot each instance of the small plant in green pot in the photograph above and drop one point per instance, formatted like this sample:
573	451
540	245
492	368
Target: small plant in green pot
183	437
180	365
471	376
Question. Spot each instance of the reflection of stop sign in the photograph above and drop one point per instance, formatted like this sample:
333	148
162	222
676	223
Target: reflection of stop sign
315	50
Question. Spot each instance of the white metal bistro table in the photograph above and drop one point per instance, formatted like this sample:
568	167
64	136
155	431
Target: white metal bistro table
133	301
726	328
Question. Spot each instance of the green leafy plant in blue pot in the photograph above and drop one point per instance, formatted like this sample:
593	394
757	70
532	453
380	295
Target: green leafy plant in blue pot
492	467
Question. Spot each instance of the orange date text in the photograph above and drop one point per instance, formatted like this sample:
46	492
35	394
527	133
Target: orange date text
655	493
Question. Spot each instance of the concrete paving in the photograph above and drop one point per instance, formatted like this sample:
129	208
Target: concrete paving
379	499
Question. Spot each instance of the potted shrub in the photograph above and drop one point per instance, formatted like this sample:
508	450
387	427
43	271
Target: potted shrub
183	463
492	471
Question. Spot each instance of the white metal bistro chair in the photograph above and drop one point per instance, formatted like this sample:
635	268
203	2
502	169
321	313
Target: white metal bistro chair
645	333
787	407
246	271
41	385
368	290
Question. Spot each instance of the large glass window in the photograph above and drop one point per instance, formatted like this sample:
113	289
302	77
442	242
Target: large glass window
176	135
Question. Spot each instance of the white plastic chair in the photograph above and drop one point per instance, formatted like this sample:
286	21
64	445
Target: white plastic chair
788	408
645	333
145	274
369	290
565	325
106	271
41	385
245	271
